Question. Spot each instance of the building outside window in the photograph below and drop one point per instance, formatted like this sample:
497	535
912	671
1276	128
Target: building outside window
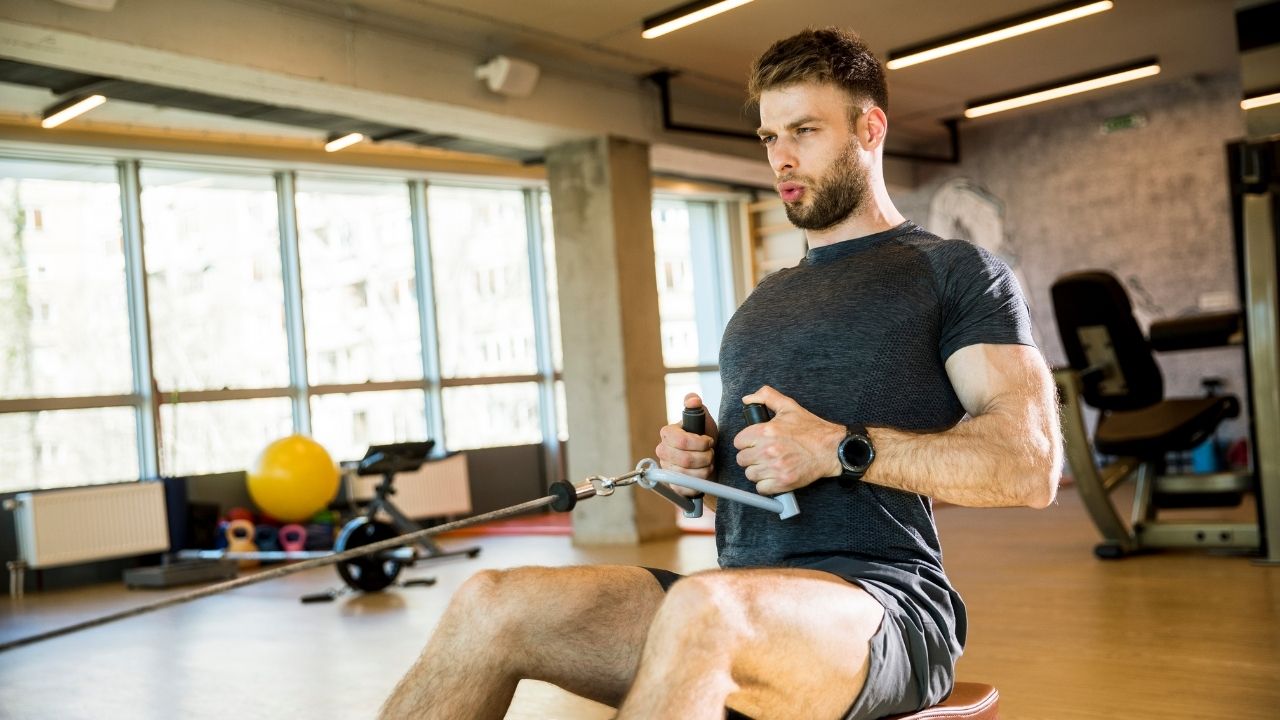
247	305
65	356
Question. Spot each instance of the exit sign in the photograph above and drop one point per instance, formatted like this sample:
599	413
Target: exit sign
1130	121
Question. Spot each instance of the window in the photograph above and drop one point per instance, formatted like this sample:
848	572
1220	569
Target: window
694	296
476	415
553	286
480	263
68	447
64	317
355	245
485	315
347	424
258	324
64	327
213	280
207	437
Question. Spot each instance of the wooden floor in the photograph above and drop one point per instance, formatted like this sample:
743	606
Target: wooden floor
1062	635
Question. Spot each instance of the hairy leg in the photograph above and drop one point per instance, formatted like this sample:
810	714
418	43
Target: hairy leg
581	628
769	643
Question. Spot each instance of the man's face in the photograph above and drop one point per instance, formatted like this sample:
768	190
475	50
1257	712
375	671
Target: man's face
810	140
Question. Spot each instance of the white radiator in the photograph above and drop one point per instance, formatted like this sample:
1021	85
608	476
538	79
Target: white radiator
61	527
438	488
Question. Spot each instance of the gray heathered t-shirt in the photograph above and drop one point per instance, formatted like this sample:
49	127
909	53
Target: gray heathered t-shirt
859	332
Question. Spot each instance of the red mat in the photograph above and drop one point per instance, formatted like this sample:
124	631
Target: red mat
547	524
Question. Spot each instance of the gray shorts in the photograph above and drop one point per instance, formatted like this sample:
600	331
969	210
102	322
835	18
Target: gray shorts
907	656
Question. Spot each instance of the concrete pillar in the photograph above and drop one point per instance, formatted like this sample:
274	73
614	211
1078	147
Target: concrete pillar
601	200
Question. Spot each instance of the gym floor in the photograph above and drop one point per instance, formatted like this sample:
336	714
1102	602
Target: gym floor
1062	635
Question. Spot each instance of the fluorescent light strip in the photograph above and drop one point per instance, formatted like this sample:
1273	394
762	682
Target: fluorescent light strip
72	111
1260	101
1063	91
343	142
992	36
686	20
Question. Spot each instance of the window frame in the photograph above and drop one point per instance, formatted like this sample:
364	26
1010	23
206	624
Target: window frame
146	401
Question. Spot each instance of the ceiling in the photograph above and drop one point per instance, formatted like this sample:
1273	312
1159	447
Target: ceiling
602	39
1190	37
174	108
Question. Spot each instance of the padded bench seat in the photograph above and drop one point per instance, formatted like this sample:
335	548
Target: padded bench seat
970	701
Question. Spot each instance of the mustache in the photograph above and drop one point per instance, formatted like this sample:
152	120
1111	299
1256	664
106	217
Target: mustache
802	179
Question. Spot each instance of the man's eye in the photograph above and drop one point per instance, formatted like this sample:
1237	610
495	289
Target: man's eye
804	130
767	139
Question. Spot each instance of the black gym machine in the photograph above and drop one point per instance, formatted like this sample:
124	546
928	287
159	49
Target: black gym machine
1112	368
374	573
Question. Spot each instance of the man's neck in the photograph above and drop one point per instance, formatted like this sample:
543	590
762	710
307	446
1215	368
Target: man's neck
877	214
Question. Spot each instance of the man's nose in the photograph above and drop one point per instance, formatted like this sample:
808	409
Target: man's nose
782	157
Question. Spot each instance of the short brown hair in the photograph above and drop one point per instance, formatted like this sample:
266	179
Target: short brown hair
823	55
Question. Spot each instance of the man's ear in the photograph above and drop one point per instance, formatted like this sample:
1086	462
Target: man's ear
872	127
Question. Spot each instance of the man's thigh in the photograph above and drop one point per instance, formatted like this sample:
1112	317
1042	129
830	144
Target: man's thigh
800	638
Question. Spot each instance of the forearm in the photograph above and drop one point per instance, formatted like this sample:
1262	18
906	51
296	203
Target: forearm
992	460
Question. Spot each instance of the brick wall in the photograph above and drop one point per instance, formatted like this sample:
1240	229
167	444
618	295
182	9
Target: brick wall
1150	204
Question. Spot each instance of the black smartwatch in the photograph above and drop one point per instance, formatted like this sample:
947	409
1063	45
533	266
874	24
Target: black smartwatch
855	452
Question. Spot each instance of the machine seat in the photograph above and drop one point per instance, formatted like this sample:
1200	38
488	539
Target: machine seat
1168	426
968	701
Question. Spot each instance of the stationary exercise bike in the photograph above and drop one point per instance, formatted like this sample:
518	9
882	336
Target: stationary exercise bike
374	573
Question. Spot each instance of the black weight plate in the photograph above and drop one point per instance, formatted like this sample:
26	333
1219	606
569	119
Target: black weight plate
369	573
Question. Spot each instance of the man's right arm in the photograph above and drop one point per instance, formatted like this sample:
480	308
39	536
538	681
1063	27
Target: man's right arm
689	454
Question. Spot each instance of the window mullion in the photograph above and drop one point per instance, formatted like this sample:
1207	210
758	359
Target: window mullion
291	275
144	382
542	337
425	287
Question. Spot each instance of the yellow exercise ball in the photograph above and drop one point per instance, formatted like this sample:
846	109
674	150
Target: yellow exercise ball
293	478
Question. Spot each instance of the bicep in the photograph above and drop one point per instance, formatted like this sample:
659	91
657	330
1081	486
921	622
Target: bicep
992	378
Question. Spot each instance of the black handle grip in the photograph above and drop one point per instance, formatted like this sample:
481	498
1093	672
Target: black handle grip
694	420
756	413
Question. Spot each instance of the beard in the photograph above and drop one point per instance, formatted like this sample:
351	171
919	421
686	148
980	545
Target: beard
835	196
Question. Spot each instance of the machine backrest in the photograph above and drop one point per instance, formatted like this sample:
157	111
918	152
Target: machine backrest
1099	333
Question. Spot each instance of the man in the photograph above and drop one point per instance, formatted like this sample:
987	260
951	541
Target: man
869	352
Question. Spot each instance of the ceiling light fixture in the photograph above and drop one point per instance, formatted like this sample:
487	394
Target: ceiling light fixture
1063	88
686	15
341	142
994	32
1261	99
68	109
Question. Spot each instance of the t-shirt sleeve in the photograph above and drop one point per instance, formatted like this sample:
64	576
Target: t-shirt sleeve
981	300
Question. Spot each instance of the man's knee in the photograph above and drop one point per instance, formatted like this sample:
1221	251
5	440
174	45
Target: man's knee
489	601
710	599
480	589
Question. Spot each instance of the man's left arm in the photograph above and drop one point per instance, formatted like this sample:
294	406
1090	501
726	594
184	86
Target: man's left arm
1007	454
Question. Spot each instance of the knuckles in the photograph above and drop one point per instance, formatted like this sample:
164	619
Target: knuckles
674	437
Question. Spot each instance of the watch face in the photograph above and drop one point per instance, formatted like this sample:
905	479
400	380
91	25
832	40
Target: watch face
856	453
